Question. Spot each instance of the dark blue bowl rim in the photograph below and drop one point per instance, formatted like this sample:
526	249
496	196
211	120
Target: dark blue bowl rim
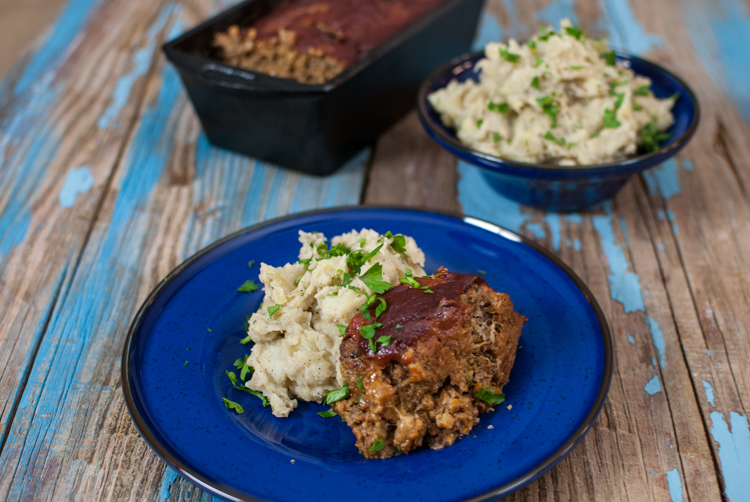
142	425
497	163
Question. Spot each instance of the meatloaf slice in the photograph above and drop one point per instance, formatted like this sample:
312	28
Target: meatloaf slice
452	342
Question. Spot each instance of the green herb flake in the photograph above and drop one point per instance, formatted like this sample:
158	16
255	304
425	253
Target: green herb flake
233	406
209	330
620	96
509	56
382	305
335	395
549	108
368	332
305	261
250	264
246	340
399	326
399	244
609	58
384	341
498	107
186	363
531	43
248	286
360	386
272	310
537	62
535	83
241	364
637	107
576	67
571	145
610	119
327	414
377	446
482	272
488	396
551	137
335	293
496	137
409	279
342	329
651	136
373	279
479	123
643	90
574	31
296	281
674	97
362	242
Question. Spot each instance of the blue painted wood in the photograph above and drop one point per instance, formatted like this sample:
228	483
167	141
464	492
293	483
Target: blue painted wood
159	209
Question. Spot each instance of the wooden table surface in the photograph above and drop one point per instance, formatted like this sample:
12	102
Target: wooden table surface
107	183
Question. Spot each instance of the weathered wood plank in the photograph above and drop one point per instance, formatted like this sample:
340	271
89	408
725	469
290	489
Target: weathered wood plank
171	194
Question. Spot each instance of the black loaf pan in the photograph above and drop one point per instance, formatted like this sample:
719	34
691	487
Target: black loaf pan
314	128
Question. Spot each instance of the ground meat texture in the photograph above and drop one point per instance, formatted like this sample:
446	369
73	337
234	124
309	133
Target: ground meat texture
421	389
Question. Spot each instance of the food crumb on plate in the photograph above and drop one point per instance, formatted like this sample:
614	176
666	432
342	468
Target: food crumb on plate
292	461
509	407
490	426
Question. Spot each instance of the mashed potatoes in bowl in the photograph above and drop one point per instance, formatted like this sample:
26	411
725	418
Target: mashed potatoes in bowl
298	328
560	99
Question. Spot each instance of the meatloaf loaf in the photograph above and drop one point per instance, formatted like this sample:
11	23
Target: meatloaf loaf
426	367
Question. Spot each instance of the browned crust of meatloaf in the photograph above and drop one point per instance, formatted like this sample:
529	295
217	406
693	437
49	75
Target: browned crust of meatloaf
431	400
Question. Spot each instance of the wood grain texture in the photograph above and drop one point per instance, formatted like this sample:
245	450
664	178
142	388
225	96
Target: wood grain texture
95	116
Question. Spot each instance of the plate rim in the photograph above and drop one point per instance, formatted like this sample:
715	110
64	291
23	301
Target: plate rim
506	489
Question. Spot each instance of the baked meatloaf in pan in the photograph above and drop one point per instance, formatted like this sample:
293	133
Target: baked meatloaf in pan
303	121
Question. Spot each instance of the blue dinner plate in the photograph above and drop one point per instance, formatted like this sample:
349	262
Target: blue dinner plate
187	334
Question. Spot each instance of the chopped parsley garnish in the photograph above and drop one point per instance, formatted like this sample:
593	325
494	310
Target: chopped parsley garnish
551	137
409	279
361	390
571	145
537	62
544	36
186	363
509	56
305	261
384	341
620	96
241	364
651	136
496	137
342	329
296	281
610	119
272	310
574	32
609	58
643	90
250	264
617	83
674	97
498	107
382	305
637	107
549	108
232	405
362	242
399	326
246	340
335	293
377	446
488	396
399	244
335	395
481	272
327	414
248	286
479	123
532	44
209	330
373	279
535	82
368	332
468	379
576	67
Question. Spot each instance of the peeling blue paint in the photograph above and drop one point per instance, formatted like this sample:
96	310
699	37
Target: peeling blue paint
625	30
537	230
708	352
675	485
653	386
658	338
687	165
625	287
734	454
77	181
663	179
653	361
709	393
660	214
660	247
489	30
630	338
141	64
170	476
556	11
577	245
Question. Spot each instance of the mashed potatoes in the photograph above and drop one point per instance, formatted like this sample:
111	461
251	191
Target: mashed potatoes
297	329
558	99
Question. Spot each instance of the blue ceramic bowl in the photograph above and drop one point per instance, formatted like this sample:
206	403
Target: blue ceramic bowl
561	188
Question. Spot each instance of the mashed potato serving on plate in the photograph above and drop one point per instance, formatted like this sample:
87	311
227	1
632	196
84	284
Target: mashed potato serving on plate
560	99
308	304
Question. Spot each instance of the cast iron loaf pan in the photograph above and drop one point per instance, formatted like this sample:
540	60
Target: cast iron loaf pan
314	128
